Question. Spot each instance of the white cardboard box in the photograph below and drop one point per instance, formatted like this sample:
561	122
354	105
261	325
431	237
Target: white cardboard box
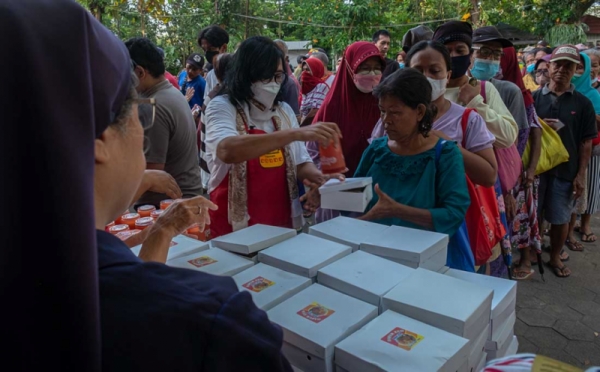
505	294
504	334
253	239
454	305
303	255
363	276
180	246
213	261
270	286
314	321
478	349
411	247
510	348
481	364
348	231
394	342
435	263
353	194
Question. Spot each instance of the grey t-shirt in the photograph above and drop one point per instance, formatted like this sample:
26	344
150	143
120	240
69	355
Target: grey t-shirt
513	99
172	141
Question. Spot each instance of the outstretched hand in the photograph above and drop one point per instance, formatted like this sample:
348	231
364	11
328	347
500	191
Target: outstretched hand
383	209
312	197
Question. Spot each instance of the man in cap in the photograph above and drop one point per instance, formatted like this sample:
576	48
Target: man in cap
488	49
572	115
192	83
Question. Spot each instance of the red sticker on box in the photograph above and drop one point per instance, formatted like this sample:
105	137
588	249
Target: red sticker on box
202	261
402	338
258	284
315	312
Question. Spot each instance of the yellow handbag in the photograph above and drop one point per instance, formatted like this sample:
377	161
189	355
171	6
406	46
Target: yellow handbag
553	151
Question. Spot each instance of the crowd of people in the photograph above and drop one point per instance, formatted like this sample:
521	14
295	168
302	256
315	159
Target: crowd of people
460	133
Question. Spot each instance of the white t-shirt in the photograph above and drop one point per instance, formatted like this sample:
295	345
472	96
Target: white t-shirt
221	118
330	80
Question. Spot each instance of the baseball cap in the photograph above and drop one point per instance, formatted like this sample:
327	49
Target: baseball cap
490	33
195	60
566	52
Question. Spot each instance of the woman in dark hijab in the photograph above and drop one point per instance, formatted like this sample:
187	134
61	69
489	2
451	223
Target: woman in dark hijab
74	296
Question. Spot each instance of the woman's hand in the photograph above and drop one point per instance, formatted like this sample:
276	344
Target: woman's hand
467	92
323	133
184	213
510	205
312	197
189	94
162	183
384	208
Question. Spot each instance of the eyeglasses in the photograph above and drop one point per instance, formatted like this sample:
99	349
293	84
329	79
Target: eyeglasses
541	72
146	111
486	52
278	78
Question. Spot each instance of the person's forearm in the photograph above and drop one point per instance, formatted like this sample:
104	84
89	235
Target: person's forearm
309	171
418	216
535	135
237	149
584	157
479	170
156	246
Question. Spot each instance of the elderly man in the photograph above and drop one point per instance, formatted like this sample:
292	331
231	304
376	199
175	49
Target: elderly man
572	115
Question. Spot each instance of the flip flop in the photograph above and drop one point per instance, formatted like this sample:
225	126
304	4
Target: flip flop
558	271
562	251
575	246
588	238
522	275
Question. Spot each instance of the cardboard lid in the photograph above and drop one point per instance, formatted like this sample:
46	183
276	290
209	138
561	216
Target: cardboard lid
441	301
505	291
212	261
180	246
363	276
253	239
406	244
270	286
317	318
346	230
334	185
394	342
304	254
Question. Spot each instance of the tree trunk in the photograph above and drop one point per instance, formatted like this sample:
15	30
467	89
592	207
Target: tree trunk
579	9
475	13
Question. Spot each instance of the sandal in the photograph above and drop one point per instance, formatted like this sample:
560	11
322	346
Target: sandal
560	272
575	246
588	238
562	252
522	275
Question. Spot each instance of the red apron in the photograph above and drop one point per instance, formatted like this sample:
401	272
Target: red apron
268	196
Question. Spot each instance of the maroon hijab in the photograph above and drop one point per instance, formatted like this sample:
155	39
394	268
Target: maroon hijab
511	72
65	78
355	112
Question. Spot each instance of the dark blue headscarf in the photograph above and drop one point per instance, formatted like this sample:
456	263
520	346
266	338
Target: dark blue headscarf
64	80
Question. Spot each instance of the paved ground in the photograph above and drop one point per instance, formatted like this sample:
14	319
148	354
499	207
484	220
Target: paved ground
561	317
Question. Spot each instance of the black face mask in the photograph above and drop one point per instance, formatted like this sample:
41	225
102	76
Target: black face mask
210	55
460	65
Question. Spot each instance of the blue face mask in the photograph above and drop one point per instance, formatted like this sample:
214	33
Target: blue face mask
530	68
484	69
401	64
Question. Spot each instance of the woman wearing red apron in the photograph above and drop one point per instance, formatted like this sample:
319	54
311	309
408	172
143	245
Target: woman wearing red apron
255	149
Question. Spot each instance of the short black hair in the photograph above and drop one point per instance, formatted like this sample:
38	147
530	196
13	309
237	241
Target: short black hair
144	53
413	89
435	45
545	50
222	65
214	35
256	59
377	34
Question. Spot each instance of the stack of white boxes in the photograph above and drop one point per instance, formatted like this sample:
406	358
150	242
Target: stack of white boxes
180	246
450	304
249	241
314	321
501	341
213	261
347	231
303	255
410	247
363	276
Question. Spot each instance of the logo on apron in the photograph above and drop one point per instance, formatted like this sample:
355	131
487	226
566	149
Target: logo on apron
273	159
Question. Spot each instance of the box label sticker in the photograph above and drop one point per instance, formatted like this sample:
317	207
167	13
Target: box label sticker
315	312
258	284
402	338
202	261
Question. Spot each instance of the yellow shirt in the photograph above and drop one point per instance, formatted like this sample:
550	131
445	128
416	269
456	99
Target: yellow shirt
530	83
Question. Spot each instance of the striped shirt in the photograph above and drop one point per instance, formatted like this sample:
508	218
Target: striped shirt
314	99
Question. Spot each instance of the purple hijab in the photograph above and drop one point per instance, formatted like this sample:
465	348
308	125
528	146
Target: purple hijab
64	80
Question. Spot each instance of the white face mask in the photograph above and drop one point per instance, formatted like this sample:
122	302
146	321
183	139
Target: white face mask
265	93
594	80
438	87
